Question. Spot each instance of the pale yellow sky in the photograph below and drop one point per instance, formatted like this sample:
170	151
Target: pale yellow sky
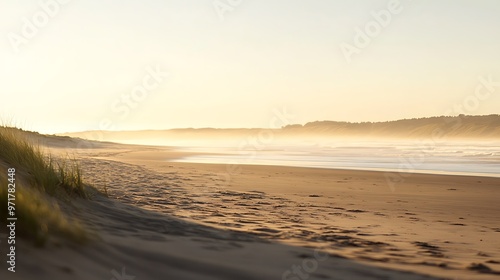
90	65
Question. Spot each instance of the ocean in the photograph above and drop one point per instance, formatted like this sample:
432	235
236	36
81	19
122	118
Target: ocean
457	158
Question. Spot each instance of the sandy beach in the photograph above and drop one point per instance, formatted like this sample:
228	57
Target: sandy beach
169	220
250	140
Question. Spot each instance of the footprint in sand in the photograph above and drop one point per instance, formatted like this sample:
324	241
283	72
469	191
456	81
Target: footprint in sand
431	250
481	268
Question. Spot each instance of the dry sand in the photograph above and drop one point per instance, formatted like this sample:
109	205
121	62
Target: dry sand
167	220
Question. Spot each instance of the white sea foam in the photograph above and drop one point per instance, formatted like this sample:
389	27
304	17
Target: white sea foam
447	158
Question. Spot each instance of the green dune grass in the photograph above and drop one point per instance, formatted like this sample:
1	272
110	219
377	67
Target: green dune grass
42	185
44	173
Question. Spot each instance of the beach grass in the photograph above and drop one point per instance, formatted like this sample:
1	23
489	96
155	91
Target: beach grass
50	176
41	183
38	216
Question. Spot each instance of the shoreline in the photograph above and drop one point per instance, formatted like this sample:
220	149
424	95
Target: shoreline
425	210
174	155
381	170
444	226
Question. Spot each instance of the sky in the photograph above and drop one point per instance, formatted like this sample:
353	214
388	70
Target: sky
77	65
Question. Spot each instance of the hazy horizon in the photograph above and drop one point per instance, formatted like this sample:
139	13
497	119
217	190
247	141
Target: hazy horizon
232	139
173	64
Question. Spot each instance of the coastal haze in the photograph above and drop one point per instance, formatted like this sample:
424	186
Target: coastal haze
441	145
252	140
